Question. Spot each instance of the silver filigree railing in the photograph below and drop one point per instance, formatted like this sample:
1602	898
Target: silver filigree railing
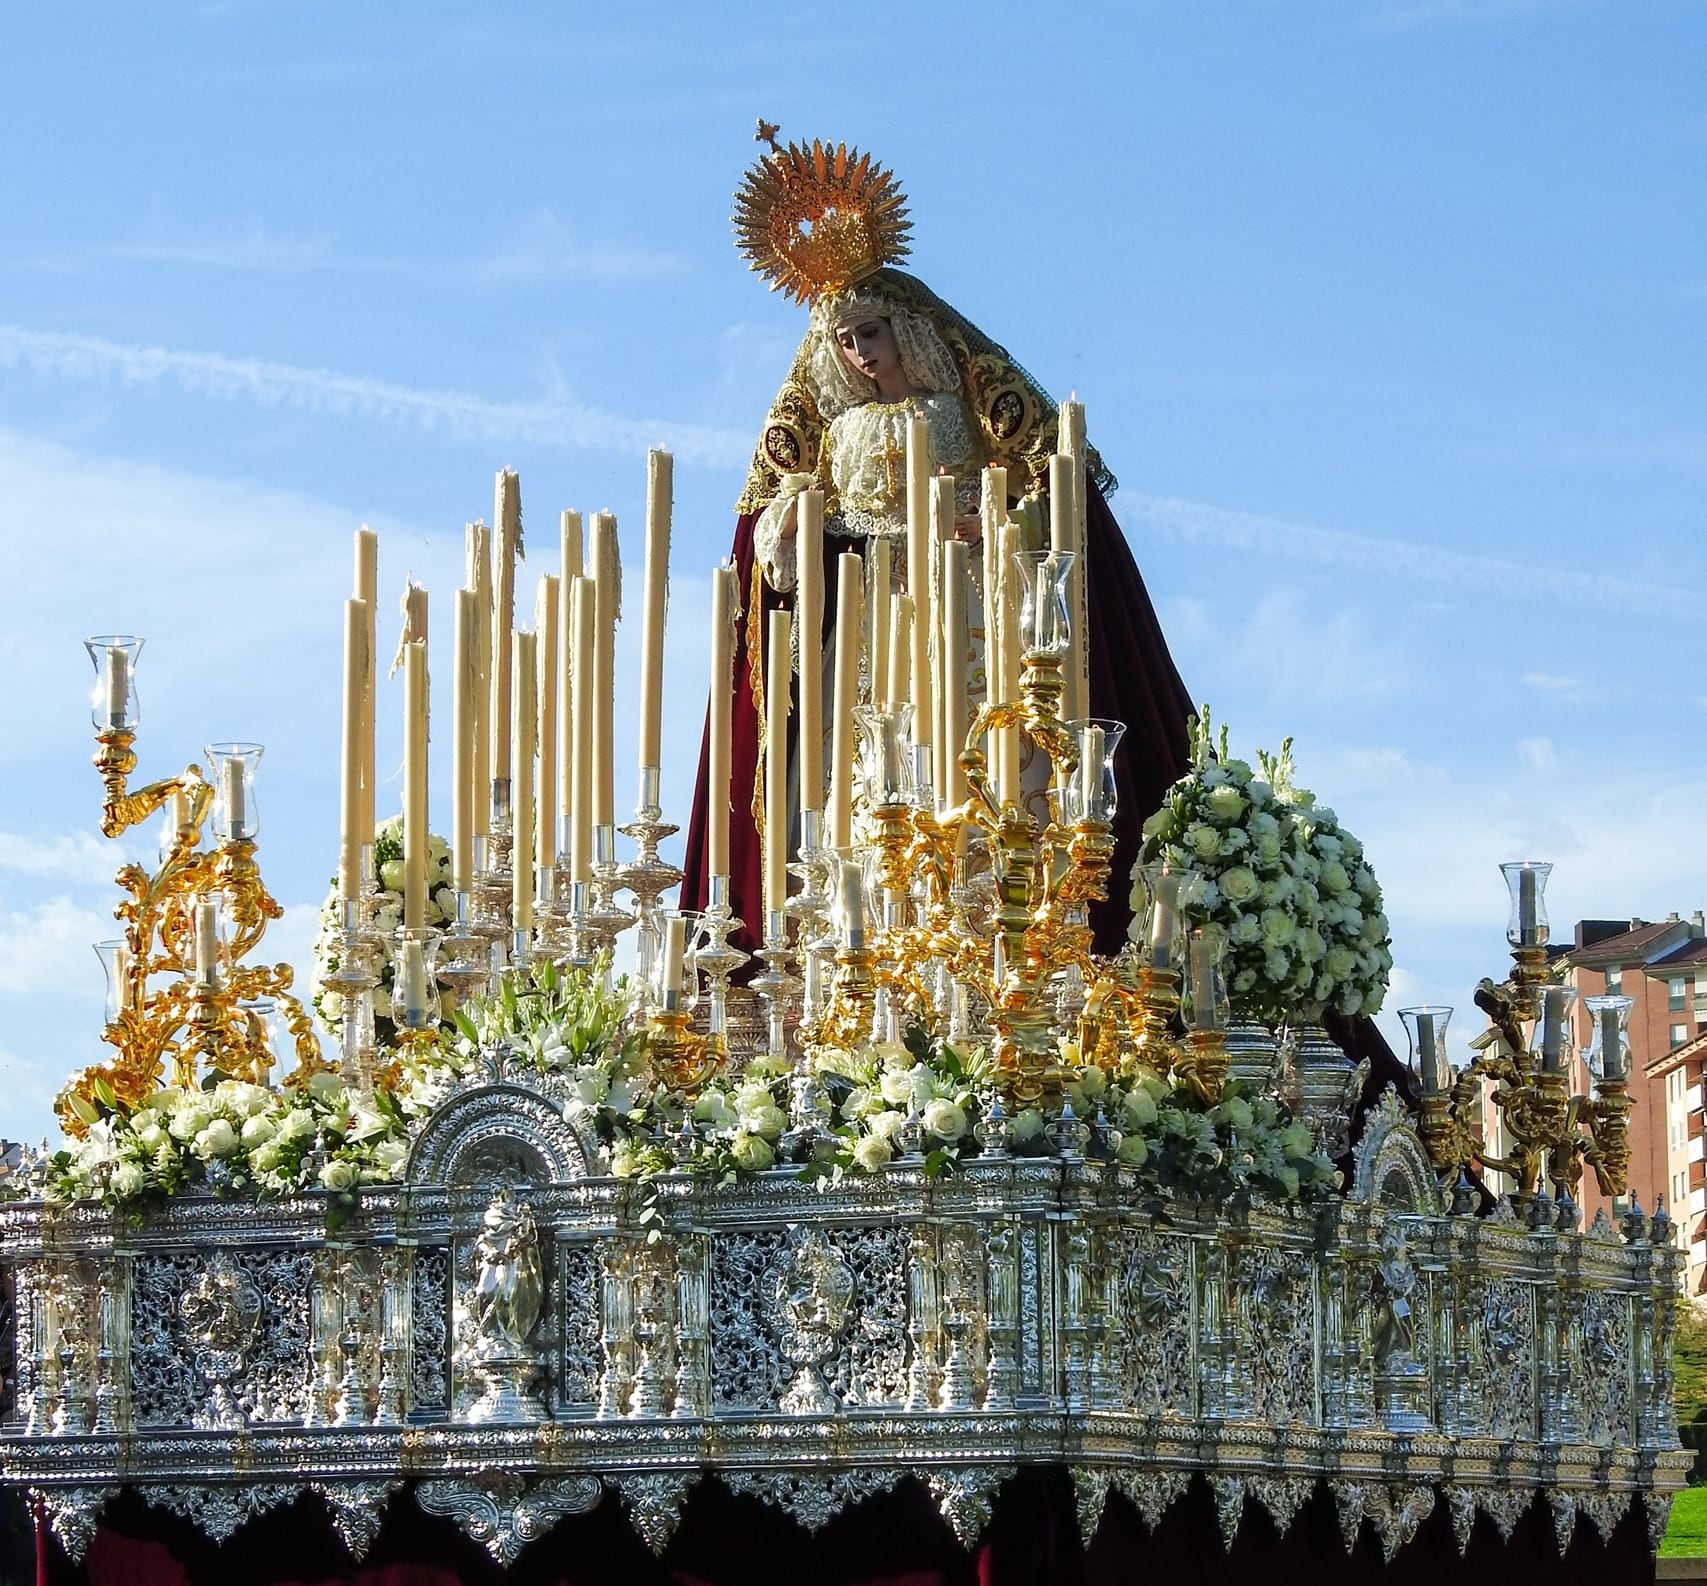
513	1338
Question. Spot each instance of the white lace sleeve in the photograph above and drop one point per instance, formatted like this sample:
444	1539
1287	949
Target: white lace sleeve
774	553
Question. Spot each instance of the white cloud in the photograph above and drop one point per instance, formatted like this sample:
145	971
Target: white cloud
248	247
545	249
1537	753
458	414
1486	576
46	952
77	857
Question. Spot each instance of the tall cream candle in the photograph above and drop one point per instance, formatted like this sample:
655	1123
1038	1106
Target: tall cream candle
1004	676
415	784
545	737
850	603
659	473
583	717
1071	440
957	644
464	794
809	607
207	941
1064	536
919	569
942	531
525	717
508	545
879	617
350	768
899	687
367	591
725	604
607	576
569	551
778	668
479	584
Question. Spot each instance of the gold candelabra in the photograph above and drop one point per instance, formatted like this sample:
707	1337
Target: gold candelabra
1552	1132
1042	876
203	1018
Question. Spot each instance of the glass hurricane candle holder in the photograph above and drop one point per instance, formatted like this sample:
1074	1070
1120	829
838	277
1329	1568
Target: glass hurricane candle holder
208	936
260	1036
1045	622
117	963
232	768
678	991
1425	1029
1526	880
414	984
1090	794
1553	1026
1164	897
114	703
1206	986
886	753
1608	1051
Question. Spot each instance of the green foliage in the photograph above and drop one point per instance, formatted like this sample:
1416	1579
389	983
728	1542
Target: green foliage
1686	1535
1689	1357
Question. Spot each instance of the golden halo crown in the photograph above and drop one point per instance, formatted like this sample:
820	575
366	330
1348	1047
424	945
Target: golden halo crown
816	220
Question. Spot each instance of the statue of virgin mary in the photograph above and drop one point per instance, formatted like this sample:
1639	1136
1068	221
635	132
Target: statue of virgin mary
828	226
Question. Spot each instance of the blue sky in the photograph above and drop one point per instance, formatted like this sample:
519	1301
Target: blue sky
1389	315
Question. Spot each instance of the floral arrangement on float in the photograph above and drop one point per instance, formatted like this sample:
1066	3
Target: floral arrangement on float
1288	887
577	1033
387	904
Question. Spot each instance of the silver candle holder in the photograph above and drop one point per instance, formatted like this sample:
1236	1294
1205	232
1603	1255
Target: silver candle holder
647	876
776	986
714	957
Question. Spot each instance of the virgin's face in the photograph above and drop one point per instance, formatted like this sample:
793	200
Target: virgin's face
868	344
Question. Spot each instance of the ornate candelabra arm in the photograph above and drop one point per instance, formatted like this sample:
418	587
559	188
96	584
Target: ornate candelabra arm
1607	1150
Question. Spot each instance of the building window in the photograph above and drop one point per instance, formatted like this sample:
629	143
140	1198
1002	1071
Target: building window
1679	1034
1614	981
1677	1189
1677	995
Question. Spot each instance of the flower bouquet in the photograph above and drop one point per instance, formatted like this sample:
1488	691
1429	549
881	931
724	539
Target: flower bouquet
1300	907
388	915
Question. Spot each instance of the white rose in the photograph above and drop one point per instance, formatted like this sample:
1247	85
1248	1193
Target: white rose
1278	927
1334	878
884	1124
871	1151
1027	1125
150	1136
1203	840
1226	804
257	1131
944	1119
713	1108
897	1087
1235	1112
338	1175
1132	1150
391	874
219	1139
128	1180
1140	1109
751	1153
266	1157
1239	884
297	1124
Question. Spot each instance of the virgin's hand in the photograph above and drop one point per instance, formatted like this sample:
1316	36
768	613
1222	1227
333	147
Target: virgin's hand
969	531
